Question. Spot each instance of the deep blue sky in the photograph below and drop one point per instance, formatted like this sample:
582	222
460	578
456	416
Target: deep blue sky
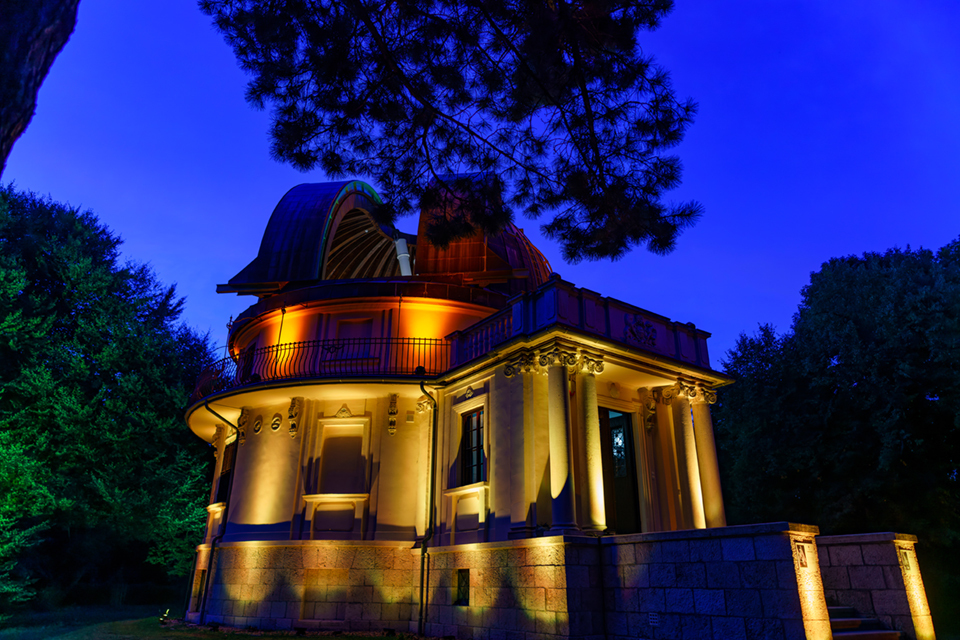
825	129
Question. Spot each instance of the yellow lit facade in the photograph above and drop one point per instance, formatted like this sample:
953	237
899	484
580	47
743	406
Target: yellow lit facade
460	447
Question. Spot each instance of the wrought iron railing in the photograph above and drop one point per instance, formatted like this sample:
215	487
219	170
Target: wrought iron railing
355	357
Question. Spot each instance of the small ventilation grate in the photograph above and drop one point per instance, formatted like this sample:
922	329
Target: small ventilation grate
654	619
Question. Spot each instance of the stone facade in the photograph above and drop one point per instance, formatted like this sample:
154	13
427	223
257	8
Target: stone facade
752	582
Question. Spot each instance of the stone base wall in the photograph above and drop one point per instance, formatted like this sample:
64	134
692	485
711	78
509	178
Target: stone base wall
877	574
332	585
749	582
533	589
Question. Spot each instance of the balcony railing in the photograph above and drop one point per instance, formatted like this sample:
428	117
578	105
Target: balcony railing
346	358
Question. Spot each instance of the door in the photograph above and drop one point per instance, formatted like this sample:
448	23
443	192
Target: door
620	497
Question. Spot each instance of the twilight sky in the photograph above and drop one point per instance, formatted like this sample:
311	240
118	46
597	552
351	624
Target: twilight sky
825	129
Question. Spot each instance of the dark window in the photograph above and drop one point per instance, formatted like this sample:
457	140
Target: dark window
463	588
471	448
226	471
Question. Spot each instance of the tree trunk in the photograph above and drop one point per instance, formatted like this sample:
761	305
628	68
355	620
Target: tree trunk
32	33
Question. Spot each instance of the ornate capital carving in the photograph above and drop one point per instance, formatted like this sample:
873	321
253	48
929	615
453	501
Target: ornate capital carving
293	414
522	362
693	392
590	363
557	357
666	395
703	395
538	361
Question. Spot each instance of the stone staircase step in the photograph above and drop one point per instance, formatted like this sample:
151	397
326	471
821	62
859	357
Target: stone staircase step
863	624
846	624
876	634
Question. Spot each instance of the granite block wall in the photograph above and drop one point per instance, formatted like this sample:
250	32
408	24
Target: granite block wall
361	586
751	582
536	589
878	575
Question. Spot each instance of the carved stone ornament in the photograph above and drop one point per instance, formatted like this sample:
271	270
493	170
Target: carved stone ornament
639	331
242	425
558	356
666	395
392	415
469	393
275	423
522	362
590	363
702	394
424	404
217	436
648	406
344	412
293	413
258	425
613	390
695	393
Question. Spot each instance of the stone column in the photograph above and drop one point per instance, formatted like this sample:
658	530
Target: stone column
683	420
707	457
563	505
594	512
519	373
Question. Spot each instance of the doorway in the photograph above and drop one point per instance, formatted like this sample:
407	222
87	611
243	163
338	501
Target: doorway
620	497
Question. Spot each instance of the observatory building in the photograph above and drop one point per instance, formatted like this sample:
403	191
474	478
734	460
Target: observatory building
459	442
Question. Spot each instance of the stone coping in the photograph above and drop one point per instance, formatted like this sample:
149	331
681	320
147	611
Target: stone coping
519	543
865	538
402	544
715	532
630	538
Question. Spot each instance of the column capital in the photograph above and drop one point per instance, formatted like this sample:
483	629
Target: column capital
523	361
699	394
695	393
590	363
574	360
558	357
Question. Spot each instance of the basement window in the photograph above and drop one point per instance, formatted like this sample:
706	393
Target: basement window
463	588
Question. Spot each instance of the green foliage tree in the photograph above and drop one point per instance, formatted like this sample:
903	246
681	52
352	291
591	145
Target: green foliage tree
99	474
851	420
551	100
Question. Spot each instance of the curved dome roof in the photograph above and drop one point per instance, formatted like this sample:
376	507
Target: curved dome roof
320	232
326	232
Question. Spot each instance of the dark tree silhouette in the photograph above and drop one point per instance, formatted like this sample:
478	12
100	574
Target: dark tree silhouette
551	100
32	33
849	421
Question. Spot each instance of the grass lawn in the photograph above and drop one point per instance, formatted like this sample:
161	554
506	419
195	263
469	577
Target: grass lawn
104	623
